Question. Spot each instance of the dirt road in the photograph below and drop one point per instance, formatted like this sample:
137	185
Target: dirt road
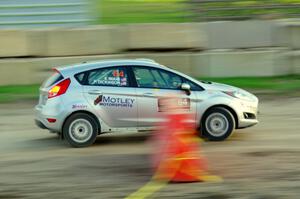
262	162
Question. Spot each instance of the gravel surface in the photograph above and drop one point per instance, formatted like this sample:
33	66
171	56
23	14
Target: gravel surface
261	162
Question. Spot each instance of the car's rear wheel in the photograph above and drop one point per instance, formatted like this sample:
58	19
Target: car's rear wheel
80	130
217	124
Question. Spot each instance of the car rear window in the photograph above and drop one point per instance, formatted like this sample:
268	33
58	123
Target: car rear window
80	77
54	78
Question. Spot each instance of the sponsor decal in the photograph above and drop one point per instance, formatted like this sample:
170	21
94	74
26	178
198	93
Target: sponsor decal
98	100
114	101
79	106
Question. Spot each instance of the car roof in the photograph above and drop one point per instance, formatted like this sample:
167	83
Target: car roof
85	66
73	69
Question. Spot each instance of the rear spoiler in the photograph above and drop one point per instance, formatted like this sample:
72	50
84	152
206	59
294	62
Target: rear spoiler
58	71
55	70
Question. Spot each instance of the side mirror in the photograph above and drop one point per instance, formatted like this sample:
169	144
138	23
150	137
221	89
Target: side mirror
186	87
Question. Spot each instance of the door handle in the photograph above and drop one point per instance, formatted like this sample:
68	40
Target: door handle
148	95
94	92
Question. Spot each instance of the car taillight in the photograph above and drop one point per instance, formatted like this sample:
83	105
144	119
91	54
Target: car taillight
51	120
59	88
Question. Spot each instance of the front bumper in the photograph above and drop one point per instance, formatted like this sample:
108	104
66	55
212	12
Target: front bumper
244	123
247	113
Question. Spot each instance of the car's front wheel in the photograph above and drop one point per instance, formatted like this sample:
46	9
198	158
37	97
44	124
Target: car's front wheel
80	130
217	124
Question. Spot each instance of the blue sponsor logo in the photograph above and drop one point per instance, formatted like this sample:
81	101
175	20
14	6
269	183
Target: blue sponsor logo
115	101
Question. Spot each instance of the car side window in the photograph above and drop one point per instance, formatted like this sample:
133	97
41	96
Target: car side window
194	87
155	78
173	81
114	76
144	78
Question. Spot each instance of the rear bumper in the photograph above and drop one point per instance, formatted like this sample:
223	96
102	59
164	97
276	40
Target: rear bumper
41	115
40	124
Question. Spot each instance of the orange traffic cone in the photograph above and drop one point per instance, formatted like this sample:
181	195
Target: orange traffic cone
179	159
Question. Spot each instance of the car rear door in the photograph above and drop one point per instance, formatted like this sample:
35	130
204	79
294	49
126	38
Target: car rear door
154	84
109	92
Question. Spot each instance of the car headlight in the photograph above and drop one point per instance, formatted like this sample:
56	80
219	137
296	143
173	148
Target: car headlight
239	95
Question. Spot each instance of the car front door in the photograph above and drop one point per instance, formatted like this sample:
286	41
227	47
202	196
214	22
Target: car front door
154	84
109	92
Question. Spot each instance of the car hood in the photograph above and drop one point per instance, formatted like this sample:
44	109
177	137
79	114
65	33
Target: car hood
213	86
218	87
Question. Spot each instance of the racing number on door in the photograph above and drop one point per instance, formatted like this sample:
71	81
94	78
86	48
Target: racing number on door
182	103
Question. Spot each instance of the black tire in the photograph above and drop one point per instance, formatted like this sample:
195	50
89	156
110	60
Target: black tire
80	130
222	117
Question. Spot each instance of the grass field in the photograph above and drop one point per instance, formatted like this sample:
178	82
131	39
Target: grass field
154	11
282	84
141	11
18	93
